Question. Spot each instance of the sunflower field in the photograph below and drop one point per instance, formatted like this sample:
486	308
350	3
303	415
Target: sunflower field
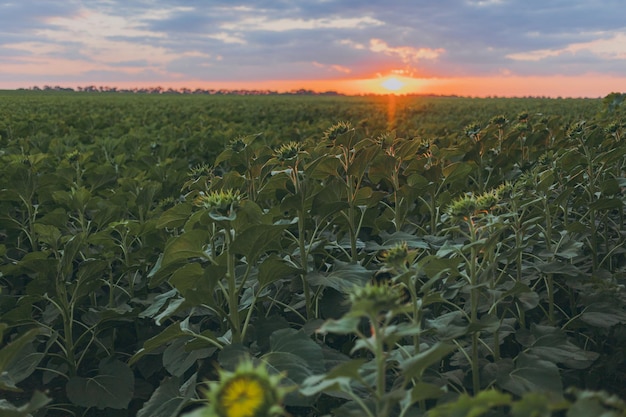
239	256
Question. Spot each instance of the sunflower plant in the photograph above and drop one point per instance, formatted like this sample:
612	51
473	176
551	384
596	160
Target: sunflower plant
249	391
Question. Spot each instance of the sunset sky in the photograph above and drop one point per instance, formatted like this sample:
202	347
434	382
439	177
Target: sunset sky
568	48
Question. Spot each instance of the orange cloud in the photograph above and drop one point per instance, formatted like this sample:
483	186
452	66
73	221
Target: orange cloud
407	54
336	68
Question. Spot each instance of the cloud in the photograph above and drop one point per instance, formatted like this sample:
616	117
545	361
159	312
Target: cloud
612	48
284	25
36	48
300	39
407	54
228	38
333	68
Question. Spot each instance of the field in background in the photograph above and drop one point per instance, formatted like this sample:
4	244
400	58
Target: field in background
387	256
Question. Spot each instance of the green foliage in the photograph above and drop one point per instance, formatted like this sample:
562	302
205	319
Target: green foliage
470	262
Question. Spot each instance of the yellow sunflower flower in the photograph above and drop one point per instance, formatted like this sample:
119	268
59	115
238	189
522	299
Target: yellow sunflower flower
248	392
241	397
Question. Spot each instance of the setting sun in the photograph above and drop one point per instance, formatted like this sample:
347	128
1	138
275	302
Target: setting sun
392	84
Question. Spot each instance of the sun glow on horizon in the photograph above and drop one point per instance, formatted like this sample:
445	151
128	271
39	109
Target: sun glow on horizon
392	84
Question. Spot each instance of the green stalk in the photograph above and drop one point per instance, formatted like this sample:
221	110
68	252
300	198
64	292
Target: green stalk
301	242
379	357
473	275
233	295
304	263
549	277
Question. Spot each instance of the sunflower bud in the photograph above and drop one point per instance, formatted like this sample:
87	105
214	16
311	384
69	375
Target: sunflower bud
375	299
463	208
486	201
222	205
288	151
237	145
248	392
396	257
337	130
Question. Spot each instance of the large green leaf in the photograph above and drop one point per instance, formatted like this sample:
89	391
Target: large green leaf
112	387
457	171
343	277
529	374
37	401
273	269
175	216
603	314
256	239
298	343
169	398
188	245
21	367
178	358
466	406
196	283
12	352
415	366
364	157
551	343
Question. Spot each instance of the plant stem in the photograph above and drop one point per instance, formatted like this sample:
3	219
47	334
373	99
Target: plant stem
473	275
304	262
379	357
233	295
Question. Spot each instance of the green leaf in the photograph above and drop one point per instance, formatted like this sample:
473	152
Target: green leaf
532	404
254	240
596	403
588	407
273	269
169	398
551	344
37	401
530	374
70	253
158	303
20	368
362	160
197	284
343	278
13	351
344	325
112	388
603	315
424	391
559	267
188	245
47	234
298	343
415	366
381	167
175	216
457	171
418	182
349	369
177	359
466	406
172	332
295	370
607	204
450	325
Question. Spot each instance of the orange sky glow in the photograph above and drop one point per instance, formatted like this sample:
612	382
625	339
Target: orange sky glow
500	86
496	86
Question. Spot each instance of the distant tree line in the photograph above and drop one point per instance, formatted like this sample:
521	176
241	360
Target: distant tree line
161	90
